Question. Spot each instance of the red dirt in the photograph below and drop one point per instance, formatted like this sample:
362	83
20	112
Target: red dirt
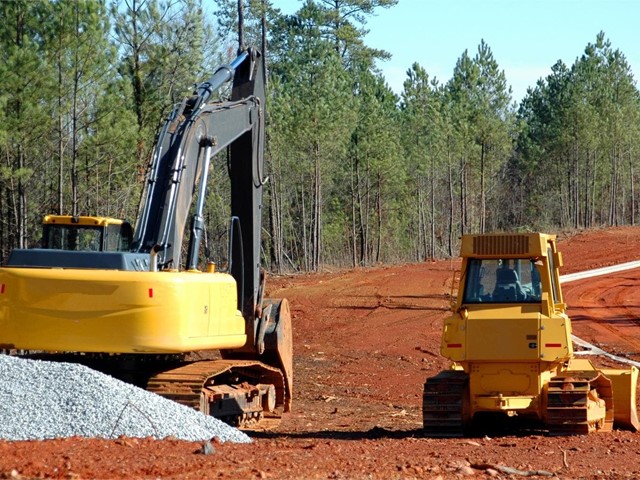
364	342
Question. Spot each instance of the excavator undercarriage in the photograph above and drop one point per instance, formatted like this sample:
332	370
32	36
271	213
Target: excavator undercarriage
240	393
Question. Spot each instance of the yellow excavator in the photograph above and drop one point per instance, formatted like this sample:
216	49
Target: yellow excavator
137	304
509	339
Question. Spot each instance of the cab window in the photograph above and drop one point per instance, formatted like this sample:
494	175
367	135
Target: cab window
506	280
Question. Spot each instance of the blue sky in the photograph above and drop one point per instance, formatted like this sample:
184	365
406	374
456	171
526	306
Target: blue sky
526	37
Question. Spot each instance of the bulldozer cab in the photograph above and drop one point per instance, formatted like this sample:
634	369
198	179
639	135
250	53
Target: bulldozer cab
504	280
84	233
504	269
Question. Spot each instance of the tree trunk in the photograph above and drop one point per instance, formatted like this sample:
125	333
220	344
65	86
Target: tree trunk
60	127
22	203
451	207
422	223
380	223
575	188
74	138
632	187
433	211
275	222
240	26
317	212
354	228
363	213
305	242
463	196
483	149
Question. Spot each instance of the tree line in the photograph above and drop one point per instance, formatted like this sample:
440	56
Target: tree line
358	174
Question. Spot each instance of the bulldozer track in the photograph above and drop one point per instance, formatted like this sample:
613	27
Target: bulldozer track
443	404
572	400
185	385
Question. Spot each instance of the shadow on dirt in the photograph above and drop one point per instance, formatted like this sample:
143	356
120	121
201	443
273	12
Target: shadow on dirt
477	431
376	433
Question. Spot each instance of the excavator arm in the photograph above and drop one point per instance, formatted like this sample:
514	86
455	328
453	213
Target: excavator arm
196	131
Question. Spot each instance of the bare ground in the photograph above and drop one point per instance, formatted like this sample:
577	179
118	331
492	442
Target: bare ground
364	342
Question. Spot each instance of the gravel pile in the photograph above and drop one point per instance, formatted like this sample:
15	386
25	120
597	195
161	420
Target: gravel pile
41	400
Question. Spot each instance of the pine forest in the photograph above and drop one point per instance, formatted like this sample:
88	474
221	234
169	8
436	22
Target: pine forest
357	174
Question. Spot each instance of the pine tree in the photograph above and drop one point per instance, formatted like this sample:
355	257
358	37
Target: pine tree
26	90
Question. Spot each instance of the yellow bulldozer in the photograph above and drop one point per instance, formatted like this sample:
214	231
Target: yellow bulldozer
509	339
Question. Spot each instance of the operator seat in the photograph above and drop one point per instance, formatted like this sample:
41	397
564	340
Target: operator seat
508	288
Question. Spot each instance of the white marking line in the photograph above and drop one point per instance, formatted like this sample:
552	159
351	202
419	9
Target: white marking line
598	271
592	349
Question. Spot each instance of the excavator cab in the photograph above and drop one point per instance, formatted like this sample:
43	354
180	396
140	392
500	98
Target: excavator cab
86	233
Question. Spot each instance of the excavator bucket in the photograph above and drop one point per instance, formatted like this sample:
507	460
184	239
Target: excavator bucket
279	346
624	383
277	352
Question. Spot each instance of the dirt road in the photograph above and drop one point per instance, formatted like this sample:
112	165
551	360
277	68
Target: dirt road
364	341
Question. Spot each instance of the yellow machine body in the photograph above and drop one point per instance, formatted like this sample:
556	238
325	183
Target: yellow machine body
510	340
116	311
83	220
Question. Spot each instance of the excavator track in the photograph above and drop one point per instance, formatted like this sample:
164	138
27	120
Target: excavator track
243	393
579	403
444	404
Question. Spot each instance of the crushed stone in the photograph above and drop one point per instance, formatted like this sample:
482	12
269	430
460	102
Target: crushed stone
44	400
